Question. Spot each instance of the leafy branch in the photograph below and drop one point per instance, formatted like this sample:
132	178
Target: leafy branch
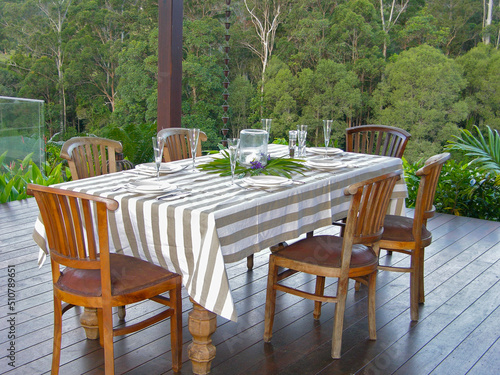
486	153
275	166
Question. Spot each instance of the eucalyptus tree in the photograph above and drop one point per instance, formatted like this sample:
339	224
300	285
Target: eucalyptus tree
304	36
390	13
421	93
40	29
421	28
102	30
460	20
332	92
280	102
265	16
355	31
481	67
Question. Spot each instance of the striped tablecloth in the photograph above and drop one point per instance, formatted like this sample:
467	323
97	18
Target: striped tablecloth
219	223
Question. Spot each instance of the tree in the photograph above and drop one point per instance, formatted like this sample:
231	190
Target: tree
266	16
354	31
419	29
481	67
487	21
279	98
329	92
55	12
460	20
421	94
396	8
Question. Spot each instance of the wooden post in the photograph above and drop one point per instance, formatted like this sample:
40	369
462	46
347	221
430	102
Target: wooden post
170	14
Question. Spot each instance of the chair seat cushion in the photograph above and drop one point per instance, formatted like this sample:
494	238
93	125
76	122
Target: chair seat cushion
128	275
325	251
400	228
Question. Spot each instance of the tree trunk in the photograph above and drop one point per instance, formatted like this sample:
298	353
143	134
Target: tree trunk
489	18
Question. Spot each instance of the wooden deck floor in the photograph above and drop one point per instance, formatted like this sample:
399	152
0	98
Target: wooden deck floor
458	331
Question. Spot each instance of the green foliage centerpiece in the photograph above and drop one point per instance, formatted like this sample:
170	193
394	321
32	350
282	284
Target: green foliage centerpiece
275	166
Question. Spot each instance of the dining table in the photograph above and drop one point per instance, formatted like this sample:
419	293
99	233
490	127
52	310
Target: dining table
205	222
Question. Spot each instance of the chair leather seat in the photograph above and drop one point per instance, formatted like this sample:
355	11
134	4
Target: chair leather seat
128	274
400	229
325	251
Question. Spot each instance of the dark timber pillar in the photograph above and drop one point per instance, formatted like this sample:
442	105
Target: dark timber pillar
170	16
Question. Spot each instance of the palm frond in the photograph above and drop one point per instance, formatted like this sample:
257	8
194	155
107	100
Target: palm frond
485	153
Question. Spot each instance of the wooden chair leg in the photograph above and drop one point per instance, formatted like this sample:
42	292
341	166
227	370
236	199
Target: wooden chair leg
357	286
421	293
339	318
250	262
100	326
372	323
176	329
414	286
270	300
56	351
121	312
320	290
107	329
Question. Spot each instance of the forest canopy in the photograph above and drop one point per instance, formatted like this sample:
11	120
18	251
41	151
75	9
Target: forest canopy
430	67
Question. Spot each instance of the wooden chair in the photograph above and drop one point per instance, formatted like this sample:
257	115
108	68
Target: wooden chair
411	236
177	144
377	140
76	226
353	256
93	156
90	156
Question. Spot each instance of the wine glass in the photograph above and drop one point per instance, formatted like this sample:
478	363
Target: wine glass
292	142
327	128
233	145
266	125
302	135
158	144
193	136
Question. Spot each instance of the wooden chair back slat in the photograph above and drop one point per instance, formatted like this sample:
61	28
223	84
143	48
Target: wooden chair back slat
369	203
429	177
377	140
77	237
177	144
90	156
70	223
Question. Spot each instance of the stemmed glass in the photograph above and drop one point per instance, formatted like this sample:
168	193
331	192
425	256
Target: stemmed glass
158	144
327	128
193	136
302	135
266	125
233	145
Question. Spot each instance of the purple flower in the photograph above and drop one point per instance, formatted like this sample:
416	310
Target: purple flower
256	165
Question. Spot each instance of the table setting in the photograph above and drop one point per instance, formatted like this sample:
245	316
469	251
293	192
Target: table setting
185	221
229	208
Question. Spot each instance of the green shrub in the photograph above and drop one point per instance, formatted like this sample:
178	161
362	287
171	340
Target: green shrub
15	176
463	190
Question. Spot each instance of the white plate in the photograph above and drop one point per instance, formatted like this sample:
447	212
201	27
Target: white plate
164	167
324	163
149	187
267	180
321	150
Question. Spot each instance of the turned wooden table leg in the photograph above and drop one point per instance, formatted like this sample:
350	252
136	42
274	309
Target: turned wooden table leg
90	323
202	324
